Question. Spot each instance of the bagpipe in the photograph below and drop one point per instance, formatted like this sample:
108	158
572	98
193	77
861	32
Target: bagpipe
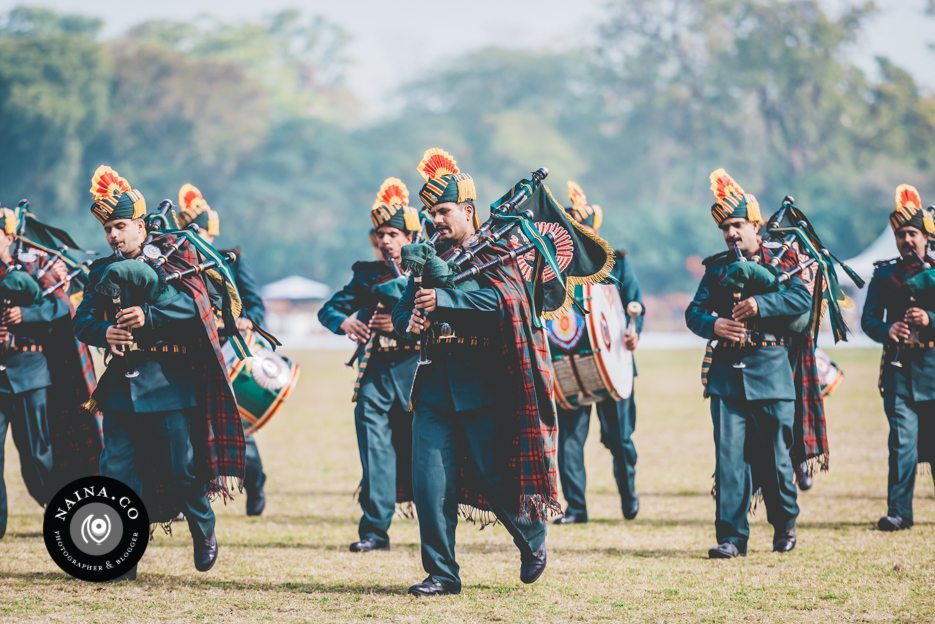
169	257
789	229
527	226
387	294
46	249
921	287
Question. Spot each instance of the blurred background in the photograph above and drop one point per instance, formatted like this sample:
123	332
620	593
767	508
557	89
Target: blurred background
289	118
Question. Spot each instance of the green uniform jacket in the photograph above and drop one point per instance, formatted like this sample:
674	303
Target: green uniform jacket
165	381
887	302
768	374
461	375
29	370
357	295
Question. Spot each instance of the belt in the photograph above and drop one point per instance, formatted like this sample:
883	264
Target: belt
917	345
397	348
461	341
756	340
159	348
29	348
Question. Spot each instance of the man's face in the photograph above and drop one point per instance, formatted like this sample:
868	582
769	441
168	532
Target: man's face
743	232
125	235
911	240
390	241
453	221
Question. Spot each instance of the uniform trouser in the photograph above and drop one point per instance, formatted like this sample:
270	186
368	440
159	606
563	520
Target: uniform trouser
378	462
440	439
618	420
159	442
25	413
752	437
903	415
254	477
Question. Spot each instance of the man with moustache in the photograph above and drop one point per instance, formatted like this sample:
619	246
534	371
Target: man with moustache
750	379
483	416
903	320
386	368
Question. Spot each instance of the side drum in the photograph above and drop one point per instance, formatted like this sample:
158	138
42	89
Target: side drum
590	360
261	383
830	375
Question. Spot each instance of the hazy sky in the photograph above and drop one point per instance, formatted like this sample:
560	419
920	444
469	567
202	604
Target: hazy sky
394	40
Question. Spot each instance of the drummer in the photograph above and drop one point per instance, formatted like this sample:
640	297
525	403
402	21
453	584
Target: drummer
617	418
193	208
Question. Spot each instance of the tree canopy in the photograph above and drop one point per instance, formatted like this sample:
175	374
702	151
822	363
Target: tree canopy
257	115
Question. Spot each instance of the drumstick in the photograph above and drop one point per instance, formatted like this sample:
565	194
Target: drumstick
634	309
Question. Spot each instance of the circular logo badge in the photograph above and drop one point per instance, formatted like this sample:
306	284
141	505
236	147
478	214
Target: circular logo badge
96	528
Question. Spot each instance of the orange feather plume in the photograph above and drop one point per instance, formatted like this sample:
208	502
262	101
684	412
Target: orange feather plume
908	197
576	195
107	184
189	198
724	187
393	192
436	163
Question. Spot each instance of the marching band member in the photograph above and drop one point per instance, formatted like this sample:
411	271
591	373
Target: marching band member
387	366
617	418
44	375
171	427
483	419
193	208
903	318
750	380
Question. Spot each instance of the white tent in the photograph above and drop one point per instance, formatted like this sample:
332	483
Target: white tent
295	288
883	248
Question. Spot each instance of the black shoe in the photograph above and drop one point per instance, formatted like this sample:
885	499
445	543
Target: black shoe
893	523
129	575
572	518
784	541
206	552
256	502
803	477
369	544
726	550
531	567
631	508
431	587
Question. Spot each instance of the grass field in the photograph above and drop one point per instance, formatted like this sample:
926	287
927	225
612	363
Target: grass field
292	564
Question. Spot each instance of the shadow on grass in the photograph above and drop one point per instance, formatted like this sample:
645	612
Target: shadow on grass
166	582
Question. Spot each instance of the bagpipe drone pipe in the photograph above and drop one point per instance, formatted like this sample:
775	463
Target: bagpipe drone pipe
789	230
527	224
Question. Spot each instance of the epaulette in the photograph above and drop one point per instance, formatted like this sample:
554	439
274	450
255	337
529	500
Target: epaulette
716	258
880	263
620	253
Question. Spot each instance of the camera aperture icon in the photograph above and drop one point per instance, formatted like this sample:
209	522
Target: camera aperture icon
96	529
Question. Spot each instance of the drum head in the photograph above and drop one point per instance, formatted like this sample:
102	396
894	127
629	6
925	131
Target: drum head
606	325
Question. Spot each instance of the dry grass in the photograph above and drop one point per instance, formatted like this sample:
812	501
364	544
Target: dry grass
292	564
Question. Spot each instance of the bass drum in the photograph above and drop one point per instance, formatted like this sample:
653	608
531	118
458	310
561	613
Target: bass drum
590	360
261	383
829	375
